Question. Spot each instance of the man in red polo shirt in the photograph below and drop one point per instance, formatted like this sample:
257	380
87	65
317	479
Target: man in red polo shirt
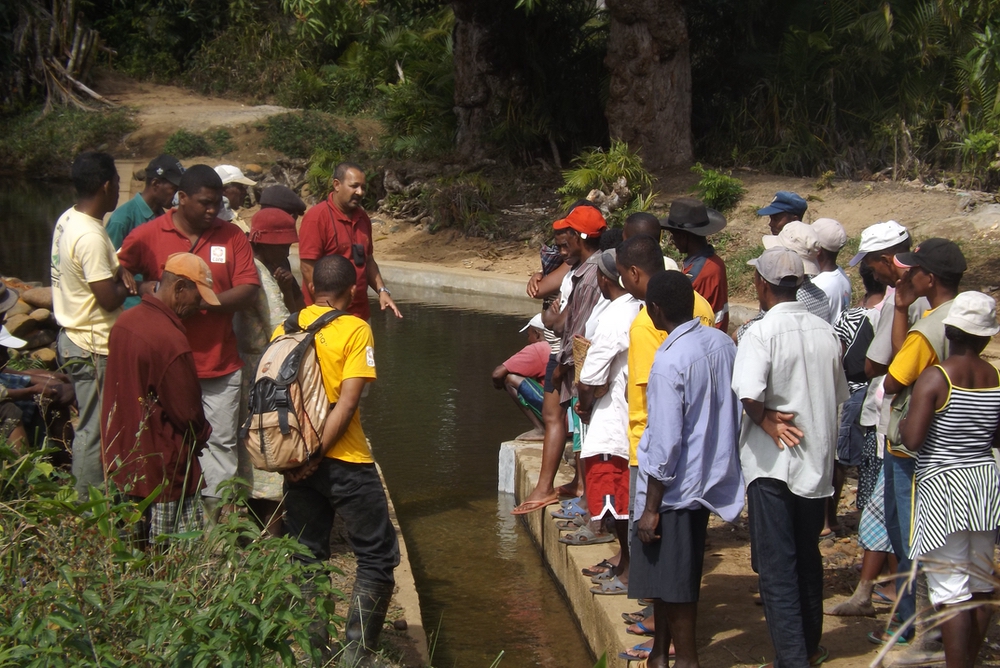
193	227
340	226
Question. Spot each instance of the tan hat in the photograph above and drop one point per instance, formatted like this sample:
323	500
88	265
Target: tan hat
830	233
974	313
799	237
193	268
780	266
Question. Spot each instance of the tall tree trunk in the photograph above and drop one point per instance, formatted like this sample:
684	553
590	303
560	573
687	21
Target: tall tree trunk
649	63
486	74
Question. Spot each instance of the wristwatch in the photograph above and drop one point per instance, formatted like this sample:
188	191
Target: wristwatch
385	290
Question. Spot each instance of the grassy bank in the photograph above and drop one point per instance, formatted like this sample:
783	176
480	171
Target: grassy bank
37	145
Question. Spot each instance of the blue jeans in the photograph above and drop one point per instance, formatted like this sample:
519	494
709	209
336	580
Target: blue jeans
898	504
355	491
784	552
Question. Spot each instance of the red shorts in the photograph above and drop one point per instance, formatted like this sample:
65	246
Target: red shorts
607	486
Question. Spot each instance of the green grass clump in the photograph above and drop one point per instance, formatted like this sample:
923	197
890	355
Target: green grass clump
717	190
187	144
44	145
299	135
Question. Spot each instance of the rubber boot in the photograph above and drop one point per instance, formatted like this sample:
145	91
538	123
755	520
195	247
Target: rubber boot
319	634
369	603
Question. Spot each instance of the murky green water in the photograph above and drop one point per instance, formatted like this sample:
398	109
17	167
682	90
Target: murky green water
436	424
28	213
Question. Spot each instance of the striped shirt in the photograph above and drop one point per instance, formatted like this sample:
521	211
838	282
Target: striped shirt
957	484
848	326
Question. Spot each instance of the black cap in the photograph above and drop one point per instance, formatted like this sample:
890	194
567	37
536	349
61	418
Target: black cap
165	167
284	198
940	257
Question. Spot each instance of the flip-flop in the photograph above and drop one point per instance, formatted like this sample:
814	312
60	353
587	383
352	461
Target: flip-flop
881	638
877	592
584	536
639	650
597	569
640	616
531	506
822	654
612	587
643	631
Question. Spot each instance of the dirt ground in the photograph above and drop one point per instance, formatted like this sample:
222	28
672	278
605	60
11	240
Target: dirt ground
736	629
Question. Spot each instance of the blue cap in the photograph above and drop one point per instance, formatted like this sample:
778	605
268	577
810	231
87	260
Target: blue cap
784	202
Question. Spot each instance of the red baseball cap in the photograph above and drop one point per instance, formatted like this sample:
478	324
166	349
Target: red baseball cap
273	226
584	219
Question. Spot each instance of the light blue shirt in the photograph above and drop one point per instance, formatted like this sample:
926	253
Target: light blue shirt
691	439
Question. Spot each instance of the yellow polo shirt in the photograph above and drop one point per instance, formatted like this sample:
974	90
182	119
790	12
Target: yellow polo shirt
345	349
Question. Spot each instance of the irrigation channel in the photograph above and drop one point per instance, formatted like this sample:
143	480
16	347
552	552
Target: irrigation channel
436	424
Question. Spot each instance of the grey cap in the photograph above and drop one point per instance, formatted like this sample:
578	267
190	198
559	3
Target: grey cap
780	266
607	265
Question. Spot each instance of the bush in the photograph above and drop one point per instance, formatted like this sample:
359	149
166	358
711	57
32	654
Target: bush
603	170
77	591
464	202
187	144
44	145
299	135
717	190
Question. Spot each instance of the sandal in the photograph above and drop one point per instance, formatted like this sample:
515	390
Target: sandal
640	616
821	655
643	631
585	536
882	637
570	525
531	506
612	587
604	577
597	569
568	513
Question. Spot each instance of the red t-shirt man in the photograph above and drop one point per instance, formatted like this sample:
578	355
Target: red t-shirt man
224	247
340	226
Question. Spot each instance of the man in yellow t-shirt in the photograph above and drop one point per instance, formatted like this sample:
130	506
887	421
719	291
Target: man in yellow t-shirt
344	479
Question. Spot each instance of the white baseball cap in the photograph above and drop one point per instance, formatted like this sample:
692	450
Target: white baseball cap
974	313
878	237
232	174
9	340
830	233
799	237
535	322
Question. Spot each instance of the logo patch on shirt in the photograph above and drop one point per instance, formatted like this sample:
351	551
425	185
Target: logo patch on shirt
370	356
218	254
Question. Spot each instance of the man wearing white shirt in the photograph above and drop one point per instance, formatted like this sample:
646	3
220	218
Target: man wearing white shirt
788	375
831	279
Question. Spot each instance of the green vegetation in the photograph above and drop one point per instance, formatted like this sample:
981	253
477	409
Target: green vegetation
617	171
186	144
78	591
299	135
717	190
37	144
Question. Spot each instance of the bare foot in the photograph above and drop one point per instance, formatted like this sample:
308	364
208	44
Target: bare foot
533	436
569	491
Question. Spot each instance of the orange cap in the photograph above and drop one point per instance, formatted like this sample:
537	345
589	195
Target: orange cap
193	268
584	219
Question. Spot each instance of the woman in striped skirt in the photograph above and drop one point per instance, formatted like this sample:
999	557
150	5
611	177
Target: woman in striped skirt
953	423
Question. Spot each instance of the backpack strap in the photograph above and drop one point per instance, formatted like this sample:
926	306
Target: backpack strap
291	325
324	320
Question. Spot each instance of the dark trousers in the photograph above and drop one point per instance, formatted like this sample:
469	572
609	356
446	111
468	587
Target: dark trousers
355	491
898	502
784	551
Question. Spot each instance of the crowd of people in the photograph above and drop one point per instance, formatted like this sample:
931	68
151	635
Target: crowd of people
673	417
164	314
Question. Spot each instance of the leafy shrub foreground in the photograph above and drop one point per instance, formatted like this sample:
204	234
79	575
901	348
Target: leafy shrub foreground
77	591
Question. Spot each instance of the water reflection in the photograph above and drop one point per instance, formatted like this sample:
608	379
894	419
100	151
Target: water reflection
28	214
436	425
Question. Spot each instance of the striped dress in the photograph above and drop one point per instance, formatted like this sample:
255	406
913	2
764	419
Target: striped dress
957	484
